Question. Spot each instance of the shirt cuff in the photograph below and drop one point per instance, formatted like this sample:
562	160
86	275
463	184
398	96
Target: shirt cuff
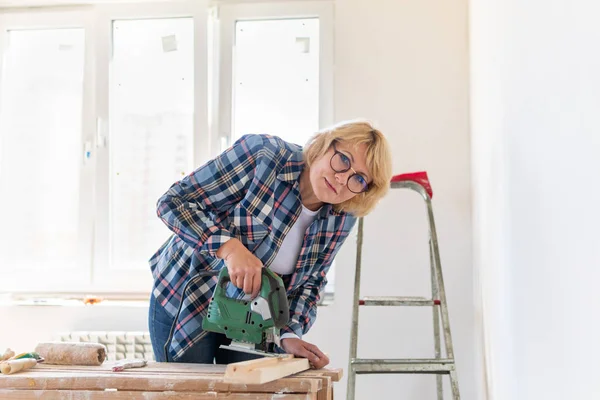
289	335
215	238
223	240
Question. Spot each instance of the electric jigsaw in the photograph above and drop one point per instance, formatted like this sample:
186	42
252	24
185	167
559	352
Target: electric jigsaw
248	322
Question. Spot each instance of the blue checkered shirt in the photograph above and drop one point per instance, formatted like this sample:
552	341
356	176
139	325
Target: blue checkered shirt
249	192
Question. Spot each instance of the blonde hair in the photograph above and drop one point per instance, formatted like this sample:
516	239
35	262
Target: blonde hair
379	161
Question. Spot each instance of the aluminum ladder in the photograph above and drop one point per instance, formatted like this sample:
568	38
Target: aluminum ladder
418	182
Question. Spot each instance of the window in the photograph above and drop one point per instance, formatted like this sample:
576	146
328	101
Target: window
151	95
41	157
103	107
276	72
151	130
43	94
276	78
100	106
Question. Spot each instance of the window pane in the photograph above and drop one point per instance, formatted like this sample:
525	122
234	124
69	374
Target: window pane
151	127
276	82
276	78
40	149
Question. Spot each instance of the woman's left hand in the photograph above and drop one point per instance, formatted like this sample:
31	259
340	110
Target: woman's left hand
300	348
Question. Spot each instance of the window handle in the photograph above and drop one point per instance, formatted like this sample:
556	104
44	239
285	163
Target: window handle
225	141
87	151
101	134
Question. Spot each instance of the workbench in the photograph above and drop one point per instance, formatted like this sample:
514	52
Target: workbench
159	381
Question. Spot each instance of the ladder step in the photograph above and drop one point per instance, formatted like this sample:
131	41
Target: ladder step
397	301
402	366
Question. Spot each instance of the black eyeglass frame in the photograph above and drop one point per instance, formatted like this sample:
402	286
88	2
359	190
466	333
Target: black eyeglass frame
335	153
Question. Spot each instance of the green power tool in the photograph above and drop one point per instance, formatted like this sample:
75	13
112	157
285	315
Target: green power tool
247	322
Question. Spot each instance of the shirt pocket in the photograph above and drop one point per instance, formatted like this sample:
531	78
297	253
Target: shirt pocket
248	228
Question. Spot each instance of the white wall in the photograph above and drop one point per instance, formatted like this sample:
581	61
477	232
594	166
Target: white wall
489	63
34	324
542	113
403	65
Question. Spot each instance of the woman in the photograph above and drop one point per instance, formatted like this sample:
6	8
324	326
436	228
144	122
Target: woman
263	203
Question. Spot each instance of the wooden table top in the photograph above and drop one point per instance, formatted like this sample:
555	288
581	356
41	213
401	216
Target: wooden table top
160	377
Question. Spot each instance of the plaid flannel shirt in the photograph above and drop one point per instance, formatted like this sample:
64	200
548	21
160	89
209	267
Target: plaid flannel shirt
249	192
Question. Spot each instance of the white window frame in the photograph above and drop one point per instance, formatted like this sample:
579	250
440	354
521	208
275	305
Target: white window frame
105	279
95	275
77	17
228	15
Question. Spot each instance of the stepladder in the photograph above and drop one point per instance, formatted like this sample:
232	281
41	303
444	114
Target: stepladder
438	365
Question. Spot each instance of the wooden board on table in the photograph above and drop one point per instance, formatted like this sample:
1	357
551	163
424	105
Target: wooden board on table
178	368
160	381
119	395
55	380
335	374
151	367
326	391
328	376
264	370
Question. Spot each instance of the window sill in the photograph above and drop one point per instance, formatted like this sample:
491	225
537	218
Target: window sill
100	300
75	299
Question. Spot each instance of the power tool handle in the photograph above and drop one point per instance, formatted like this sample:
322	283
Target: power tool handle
276	296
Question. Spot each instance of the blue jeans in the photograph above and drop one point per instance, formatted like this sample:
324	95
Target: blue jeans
206	351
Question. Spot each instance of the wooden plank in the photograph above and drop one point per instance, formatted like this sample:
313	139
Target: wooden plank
161	376
245	366
335	374
130	381
250	365
151	367
327	385
326	391
125	395
264	370
169	368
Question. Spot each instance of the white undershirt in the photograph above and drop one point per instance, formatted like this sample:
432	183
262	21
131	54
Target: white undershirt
287	256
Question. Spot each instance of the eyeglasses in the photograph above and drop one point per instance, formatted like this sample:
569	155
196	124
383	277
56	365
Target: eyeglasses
340	162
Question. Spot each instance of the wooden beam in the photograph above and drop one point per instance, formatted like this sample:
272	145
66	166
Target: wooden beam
131	381
119	395
335	374
250	365
175	368
152	366
264	370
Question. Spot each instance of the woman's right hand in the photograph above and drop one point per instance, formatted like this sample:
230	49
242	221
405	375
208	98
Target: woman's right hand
243	266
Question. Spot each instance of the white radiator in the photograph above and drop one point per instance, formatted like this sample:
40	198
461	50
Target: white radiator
119	345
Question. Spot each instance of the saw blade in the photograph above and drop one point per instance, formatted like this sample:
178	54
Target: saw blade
243	349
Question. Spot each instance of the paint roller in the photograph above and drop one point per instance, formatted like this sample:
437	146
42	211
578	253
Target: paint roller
72	353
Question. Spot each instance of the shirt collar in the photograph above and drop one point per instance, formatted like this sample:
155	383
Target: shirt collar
328	210
292	168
